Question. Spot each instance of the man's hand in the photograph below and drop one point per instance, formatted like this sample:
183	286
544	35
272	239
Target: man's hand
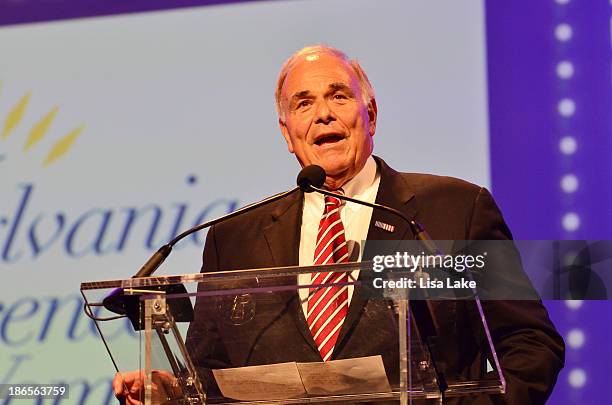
130	386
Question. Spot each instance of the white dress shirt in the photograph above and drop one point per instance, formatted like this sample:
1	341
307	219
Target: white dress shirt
355	218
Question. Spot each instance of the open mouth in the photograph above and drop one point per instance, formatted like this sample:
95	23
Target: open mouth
328	139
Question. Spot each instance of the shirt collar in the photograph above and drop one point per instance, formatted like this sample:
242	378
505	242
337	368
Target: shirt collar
362	181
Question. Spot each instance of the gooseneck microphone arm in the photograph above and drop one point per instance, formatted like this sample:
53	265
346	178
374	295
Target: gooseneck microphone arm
162	253
417	229
413	225
312	178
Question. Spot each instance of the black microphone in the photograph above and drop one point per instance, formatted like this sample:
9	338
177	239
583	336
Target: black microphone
312	177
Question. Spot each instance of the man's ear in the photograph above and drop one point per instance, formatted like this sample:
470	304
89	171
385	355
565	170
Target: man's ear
372	114
285	132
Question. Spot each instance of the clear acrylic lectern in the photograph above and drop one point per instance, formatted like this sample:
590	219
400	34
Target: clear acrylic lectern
242	337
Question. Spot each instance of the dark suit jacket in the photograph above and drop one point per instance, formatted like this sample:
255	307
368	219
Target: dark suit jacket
530	349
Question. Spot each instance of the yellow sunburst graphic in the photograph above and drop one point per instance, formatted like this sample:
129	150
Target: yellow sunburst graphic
39	130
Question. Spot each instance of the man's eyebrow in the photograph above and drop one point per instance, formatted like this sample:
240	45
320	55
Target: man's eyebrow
340	87
300	94
333	87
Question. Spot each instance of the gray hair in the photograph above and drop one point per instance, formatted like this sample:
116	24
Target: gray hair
367	92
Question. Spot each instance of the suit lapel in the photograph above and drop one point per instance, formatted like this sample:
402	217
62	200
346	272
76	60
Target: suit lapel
394	192
283	239
283	232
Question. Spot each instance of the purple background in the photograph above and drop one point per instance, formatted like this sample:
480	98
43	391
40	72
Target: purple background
525	129
527	164
26	11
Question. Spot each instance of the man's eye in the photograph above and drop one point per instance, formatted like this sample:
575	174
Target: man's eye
303	103
339	97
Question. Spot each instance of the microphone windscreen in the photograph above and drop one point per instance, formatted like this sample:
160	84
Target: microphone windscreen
312	175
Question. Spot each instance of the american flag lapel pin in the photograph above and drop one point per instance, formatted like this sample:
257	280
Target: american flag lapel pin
386	227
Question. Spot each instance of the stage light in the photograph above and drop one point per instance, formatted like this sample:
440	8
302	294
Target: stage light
573	304
569	183
571	221
577	378
568	145
562	2
565	69
566	107
575	338
563	32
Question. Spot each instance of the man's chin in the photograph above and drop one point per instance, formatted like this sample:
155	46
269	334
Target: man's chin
337	177
334	170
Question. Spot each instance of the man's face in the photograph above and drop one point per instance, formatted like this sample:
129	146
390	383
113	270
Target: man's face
326	120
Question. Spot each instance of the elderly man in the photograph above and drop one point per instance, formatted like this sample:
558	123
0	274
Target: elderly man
327	115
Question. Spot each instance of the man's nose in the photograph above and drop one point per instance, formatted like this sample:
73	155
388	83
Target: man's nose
325	115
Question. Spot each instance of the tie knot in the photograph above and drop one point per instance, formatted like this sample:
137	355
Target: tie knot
333	202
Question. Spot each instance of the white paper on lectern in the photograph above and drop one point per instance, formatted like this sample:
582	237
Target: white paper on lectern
270	381
342	377
292	380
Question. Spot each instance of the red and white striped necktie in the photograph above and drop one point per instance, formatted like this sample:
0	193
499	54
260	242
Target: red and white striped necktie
328	306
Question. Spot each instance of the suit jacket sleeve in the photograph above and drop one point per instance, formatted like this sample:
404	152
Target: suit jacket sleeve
530	350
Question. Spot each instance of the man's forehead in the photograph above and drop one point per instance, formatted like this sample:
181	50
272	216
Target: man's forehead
318	71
